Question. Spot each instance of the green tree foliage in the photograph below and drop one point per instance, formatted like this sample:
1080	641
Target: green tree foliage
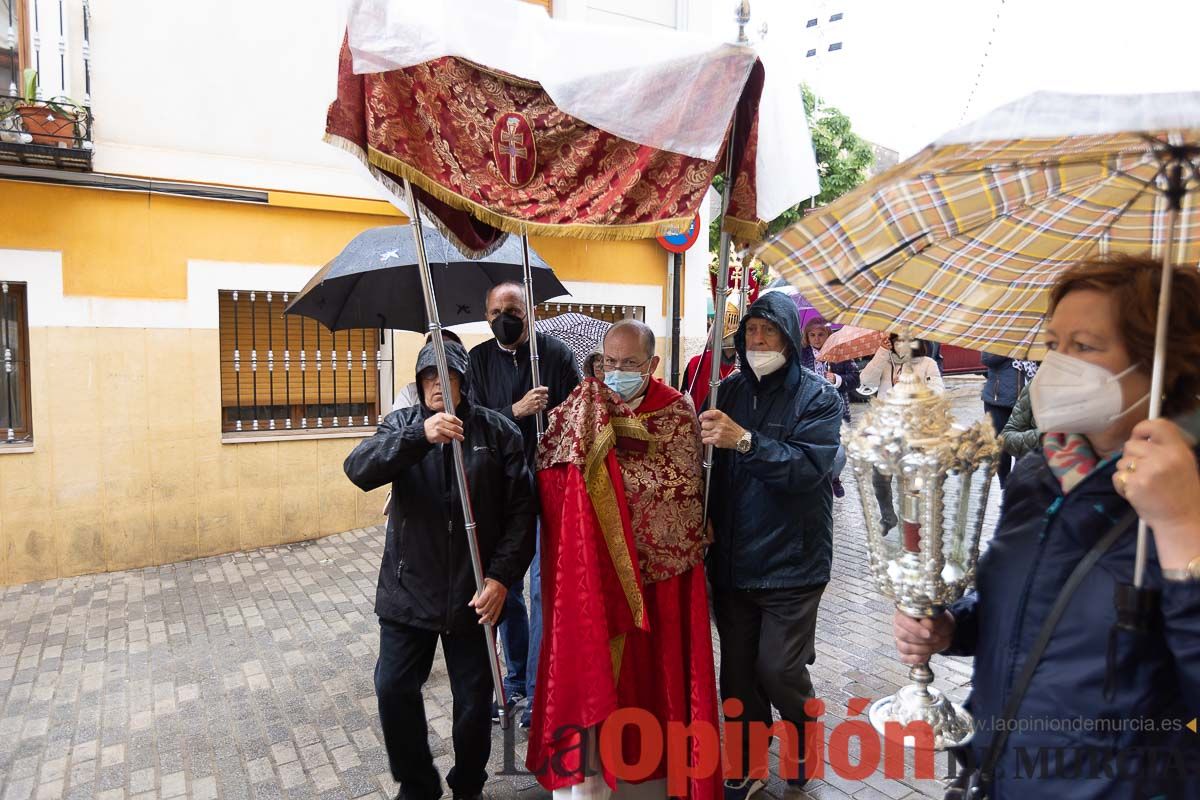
843	158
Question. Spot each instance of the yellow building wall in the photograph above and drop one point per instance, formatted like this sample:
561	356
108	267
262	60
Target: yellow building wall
129	468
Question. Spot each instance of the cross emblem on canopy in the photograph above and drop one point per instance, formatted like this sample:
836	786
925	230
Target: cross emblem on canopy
511	141
514	149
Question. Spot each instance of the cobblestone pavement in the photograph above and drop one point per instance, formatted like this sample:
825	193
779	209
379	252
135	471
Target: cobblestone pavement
250	676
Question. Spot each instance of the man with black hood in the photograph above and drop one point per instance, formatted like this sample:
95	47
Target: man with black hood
776	430
426	584
502	379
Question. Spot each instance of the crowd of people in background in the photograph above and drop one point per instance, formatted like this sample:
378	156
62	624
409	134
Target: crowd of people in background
764	551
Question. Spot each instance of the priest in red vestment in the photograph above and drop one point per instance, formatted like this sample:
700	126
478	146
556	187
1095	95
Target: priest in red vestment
626	621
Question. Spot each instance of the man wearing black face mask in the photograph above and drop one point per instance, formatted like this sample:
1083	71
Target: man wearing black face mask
502	379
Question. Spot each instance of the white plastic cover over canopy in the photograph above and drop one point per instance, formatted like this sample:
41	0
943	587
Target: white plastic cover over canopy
633	83
1056	115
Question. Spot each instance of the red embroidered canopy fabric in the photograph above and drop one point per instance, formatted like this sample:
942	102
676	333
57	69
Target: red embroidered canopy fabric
496	146
625	604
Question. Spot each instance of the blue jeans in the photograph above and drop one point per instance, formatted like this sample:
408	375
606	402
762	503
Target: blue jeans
839	463
521	631
535	620
514	636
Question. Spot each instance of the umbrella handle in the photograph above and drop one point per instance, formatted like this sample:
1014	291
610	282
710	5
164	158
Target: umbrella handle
1159	371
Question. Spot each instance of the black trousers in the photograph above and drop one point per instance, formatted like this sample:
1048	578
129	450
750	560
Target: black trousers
405	659
1000	415
768	641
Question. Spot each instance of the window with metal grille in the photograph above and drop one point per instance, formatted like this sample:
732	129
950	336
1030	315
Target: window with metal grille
14	55
836	17
835	46
606	312
15	423
812	23
810	54
289	373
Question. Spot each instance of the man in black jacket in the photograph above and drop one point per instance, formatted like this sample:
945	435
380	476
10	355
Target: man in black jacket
502	379
426	584
776	428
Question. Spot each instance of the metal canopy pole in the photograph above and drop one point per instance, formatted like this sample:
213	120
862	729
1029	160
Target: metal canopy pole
460	468
742	17
530	319
1174	193
714	375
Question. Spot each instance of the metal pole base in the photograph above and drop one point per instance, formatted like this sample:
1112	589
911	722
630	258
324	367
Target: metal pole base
919	702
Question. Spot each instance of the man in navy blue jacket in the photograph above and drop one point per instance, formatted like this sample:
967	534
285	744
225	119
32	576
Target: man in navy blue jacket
776	431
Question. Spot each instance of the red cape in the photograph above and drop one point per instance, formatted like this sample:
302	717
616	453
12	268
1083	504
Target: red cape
610	639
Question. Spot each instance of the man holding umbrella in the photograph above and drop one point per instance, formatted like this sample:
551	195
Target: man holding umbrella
502	379
426	584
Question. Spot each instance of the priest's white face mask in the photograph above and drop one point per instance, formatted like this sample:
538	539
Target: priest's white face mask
627	364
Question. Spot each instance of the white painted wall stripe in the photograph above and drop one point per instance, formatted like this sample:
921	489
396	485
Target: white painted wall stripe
41	270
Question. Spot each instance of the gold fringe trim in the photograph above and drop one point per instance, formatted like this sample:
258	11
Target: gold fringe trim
397	189
613	233
745	230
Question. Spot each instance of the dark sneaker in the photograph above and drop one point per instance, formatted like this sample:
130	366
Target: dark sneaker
475	796
744	788
527	719
838	490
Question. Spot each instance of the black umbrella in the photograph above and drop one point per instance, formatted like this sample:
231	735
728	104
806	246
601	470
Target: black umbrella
375	282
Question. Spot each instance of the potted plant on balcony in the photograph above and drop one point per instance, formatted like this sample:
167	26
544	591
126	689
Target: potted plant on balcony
47	122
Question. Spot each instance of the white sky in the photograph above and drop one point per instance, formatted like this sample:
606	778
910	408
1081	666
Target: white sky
907	67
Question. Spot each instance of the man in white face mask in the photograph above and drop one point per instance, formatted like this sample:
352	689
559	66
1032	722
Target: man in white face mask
776	430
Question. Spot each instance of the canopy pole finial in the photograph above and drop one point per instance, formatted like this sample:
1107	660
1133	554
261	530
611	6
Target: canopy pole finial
742	15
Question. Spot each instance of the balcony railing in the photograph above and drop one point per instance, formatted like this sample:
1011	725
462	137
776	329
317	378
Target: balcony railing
47	122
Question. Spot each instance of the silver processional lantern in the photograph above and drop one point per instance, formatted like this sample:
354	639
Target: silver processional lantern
940	474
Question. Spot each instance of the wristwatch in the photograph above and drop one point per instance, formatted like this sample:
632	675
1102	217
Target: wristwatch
745	443
1189	573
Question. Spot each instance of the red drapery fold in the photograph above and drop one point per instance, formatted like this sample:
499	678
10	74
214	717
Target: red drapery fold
586	619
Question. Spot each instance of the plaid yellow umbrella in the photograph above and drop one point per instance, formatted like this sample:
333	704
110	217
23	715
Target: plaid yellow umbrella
963	240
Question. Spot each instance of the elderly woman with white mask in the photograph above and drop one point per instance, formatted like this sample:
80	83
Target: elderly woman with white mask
1091	709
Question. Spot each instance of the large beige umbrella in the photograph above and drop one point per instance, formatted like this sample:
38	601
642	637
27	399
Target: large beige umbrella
964	240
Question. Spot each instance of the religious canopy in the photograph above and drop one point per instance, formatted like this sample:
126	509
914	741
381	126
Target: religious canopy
532	125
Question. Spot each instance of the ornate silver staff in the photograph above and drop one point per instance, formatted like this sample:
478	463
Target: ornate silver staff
460	467
942	472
